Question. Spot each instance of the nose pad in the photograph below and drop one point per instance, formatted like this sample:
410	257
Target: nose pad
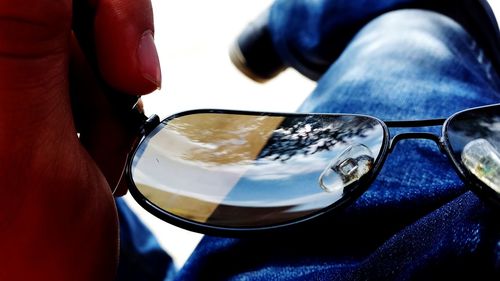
483	160
353	163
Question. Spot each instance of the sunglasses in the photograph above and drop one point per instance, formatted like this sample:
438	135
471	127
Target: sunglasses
228	173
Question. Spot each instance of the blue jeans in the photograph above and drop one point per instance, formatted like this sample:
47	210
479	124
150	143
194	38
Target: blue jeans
417	221
141	257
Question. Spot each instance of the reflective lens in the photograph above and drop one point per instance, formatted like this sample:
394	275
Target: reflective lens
474	138
254	170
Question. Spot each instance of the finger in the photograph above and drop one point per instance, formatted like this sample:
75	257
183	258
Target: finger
33	57
105	135
50	193
33	90
125	48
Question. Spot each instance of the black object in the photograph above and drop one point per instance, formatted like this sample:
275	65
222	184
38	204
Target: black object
253	52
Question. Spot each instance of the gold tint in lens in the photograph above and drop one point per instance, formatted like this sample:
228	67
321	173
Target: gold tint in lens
254	170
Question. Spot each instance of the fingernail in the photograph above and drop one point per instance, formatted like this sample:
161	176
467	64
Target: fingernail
149	63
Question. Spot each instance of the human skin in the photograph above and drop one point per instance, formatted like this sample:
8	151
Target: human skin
58	219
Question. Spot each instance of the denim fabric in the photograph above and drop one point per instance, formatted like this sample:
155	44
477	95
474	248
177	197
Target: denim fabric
417	221
141	257
310	35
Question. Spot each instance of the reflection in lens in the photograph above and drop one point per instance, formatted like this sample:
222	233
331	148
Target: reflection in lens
474	137
243	170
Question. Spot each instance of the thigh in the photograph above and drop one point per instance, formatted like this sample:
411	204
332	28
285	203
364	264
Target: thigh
407	64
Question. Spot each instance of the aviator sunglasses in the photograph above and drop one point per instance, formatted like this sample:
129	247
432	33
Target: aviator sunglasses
228	173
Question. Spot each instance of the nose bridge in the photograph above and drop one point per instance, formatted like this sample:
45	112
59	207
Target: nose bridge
414	135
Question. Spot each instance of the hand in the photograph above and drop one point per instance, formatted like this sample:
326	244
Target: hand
58	220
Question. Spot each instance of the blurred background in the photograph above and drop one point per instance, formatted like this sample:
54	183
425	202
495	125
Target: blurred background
193	38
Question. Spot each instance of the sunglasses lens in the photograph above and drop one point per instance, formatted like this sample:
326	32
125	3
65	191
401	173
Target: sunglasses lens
474	139
236	170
